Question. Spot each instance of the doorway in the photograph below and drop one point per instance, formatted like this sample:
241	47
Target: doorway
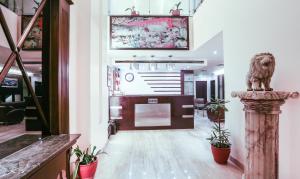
212	90
201	90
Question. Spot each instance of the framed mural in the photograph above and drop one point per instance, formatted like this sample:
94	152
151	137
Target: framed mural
149	32
34	39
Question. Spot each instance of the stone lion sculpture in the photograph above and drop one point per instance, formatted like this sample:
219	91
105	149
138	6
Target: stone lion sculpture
260	73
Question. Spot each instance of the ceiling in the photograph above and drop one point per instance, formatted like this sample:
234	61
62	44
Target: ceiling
27	56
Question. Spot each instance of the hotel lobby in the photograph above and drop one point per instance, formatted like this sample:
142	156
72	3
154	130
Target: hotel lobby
149	89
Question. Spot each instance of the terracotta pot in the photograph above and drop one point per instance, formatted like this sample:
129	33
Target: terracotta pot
220	155
176	13
134	13
213	117
88	171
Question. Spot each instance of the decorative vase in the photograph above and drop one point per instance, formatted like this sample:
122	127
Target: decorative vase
176	13
88	171
220	155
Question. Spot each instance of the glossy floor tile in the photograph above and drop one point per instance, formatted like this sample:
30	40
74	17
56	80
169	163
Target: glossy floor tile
163	154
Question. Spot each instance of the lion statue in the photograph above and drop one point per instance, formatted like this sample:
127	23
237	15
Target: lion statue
260	73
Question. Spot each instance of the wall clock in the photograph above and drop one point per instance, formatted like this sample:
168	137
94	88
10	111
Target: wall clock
129	77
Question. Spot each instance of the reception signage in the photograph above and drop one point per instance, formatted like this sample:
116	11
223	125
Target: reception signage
149	32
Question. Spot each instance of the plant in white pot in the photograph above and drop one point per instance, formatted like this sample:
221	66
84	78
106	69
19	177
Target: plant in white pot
219	139
86	163
176	11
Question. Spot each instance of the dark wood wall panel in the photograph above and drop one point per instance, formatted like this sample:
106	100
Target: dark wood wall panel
127	112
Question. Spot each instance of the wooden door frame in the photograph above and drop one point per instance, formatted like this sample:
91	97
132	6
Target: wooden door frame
56	101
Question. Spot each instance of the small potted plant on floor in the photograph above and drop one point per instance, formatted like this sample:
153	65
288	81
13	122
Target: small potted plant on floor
133	11
86	163
176	11
219	139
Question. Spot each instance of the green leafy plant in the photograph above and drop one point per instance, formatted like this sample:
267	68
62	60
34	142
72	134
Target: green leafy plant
132	9
177	7
219	137
36	5
85	157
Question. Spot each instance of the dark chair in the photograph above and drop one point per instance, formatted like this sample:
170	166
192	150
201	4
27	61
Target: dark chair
14	116
200	104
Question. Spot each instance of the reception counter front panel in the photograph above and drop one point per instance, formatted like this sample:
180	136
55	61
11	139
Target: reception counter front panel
152	112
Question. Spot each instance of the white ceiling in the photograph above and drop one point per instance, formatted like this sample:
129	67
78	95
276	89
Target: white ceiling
33	56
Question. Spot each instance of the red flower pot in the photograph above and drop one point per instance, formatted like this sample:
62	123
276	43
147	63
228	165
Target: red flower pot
220	155
176	13
88	171
134	13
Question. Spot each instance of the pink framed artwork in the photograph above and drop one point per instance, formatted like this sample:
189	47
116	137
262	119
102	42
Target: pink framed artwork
149	32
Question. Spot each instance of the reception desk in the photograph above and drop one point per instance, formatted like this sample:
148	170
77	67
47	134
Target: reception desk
136	112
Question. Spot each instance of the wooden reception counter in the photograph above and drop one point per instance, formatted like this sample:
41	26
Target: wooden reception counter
136	112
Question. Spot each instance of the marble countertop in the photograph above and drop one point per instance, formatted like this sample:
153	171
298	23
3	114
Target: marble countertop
30	158
153	95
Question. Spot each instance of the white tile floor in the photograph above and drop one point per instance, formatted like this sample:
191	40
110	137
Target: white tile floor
163	154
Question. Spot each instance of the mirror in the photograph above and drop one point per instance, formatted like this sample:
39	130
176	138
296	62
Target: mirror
21	87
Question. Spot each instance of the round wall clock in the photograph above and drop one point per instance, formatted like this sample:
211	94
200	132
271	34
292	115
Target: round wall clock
129	77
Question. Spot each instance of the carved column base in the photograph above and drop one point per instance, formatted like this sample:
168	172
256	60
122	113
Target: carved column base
262	111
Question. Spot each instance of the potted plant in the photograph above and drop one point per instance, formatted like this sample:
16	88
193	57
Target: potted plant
219	139
86	163
176	11
133	11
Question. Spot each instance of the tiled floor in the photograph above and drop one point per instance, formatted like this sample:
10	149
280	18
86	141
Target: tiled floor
163	154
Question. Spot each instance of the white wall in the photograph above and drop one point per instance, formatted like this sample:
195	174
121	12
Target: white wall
141	87
207	22
137	87
80	71
250	27
148	7
88	92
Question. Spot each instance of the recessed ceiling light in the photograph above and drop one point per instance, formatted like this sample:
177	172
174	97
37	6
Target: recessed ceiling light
215	52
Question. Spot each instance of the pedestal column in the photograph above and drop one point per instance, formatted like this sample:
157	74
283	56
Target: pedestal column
262	109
